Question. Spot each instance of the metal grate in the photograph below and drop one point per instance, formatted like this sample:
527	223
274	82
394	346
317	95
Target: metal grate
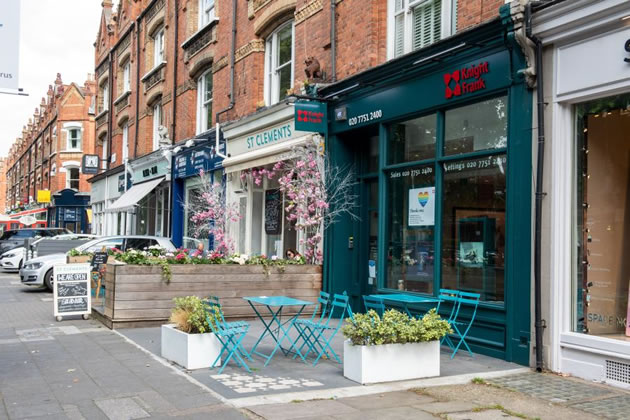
617	371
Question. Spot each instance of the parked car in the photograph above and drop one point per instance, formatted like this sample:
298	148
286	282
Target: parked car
13	259
39	271
15	237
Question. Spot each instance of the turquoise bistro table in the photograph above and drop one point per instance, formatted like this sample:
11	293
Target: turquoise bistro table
275	328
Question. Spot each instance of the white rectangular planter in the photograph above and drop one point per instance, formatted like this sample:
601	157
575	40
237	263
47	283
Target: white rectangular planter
192	351
391	362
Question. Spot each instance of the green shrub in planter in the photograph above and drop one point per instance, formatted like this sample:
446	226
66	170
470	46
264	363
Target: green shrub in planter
394	328
189	315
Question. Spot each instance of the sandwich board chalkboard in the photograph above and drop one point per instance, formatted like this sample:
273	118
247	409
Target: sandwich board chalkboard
71	290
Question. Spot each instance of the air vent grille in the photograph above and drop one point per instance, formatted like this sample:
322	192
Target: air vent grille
618	371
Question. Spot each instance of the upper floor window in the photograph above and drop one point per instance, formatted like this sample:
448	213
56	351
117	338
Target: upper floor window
415	24
206	12
104	103
74	139
279	64
204	102
72	177
127	76
158	47
125	142
157	122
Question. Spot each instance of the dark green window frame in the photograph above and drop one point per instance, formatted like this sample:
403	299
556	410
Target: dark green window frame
437	162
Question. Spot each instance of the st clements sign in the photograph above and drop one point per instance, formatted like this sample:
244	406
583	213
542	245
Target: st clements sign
264	137
465	80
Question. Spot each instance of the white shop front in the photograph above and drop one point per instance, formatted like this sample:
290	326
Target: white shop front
253	143
586	223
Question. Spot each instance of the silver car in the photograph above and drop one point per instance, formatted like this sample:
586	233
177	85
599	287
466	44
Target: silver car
39	271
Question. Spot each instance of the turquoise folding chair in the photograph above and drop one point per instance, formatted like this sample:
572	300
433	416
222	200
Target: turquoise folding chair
320	334
305	335
374	303
230	337
214	301
461	328
450	299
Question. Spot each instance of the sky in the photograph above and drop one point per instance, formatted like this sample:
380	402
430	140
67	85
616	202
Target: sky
56	36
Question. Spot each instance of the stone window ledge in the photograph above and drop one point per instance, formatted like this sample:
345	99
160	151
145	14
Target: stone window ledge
122	97
208	26
153	71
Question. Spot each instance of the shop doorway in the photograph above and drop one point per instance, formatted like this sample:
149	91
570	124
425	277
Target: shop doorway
353	265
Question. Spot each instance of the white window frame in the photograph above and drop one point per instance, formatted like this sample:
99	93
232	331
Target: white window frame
104	159
448	21
69	179
202	104
159	46
127	76
79	139
53	169
105	94
206	12
157	121
125	141
272	78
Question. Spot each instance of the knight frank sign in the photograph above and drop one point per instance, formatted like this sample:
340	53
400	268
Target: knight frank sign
9	43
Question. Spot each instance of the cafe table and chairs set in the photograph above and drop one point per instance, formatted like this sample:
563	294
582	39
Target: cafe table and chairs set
280	315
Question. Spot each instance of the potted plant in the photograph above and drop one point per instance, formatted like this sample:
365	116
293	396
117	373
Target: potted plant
189	340
392	348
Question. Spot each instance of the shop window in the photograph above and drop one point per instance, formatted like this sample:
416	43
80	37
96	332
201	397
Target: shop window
279	63
158	47
415	24
72	177
204	102
206	12
412	140
480	126
411	213
602	218
157	122
473	226
74	139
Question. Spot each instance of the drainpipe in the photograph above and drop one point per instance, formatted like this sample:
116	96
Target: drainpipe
175	48
232	60
333	41
110	111
539	323
135	140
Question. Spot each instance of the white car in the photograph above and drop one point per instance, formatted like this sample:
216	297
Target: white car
12	260
39	271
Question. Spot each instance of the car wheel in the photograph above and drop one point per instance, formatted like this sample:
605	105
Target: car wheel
48	280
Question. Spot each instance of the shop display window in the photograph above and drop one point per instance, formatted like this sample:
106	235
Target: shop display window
602	218
446	214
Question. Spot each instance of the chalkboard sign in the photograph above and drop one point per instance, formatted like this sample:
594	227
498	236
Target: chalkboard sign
273	212
71	290
99	258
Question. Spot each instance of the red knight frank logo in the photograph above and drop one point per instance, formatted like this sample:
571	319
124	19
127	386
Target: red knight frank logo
458	82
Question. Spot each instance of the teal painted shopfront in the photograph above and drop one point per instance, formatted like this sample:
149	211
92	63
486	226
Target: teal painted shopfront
440	140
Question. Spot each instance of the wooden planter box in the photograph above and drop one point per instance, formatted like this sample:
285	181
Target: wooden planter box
137	295
82	259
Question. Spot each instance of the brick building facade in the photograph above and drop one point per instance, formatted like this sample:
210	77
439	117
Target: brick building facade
3	181
48	154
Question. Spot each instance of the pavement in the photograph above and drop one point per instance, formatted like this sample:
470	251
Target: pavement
78	369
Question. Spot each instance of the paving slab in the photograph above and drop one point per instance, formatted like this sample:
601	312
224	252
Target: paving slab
386	400
446	407
390	413
483	415
298	410
121	408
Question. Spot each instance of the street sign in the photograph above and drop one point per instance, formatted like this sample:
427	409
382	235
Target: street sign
71	290
90	164
43	196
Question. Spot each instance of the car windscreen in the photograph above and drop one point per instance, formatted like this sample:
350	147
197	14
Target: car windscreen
15	234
